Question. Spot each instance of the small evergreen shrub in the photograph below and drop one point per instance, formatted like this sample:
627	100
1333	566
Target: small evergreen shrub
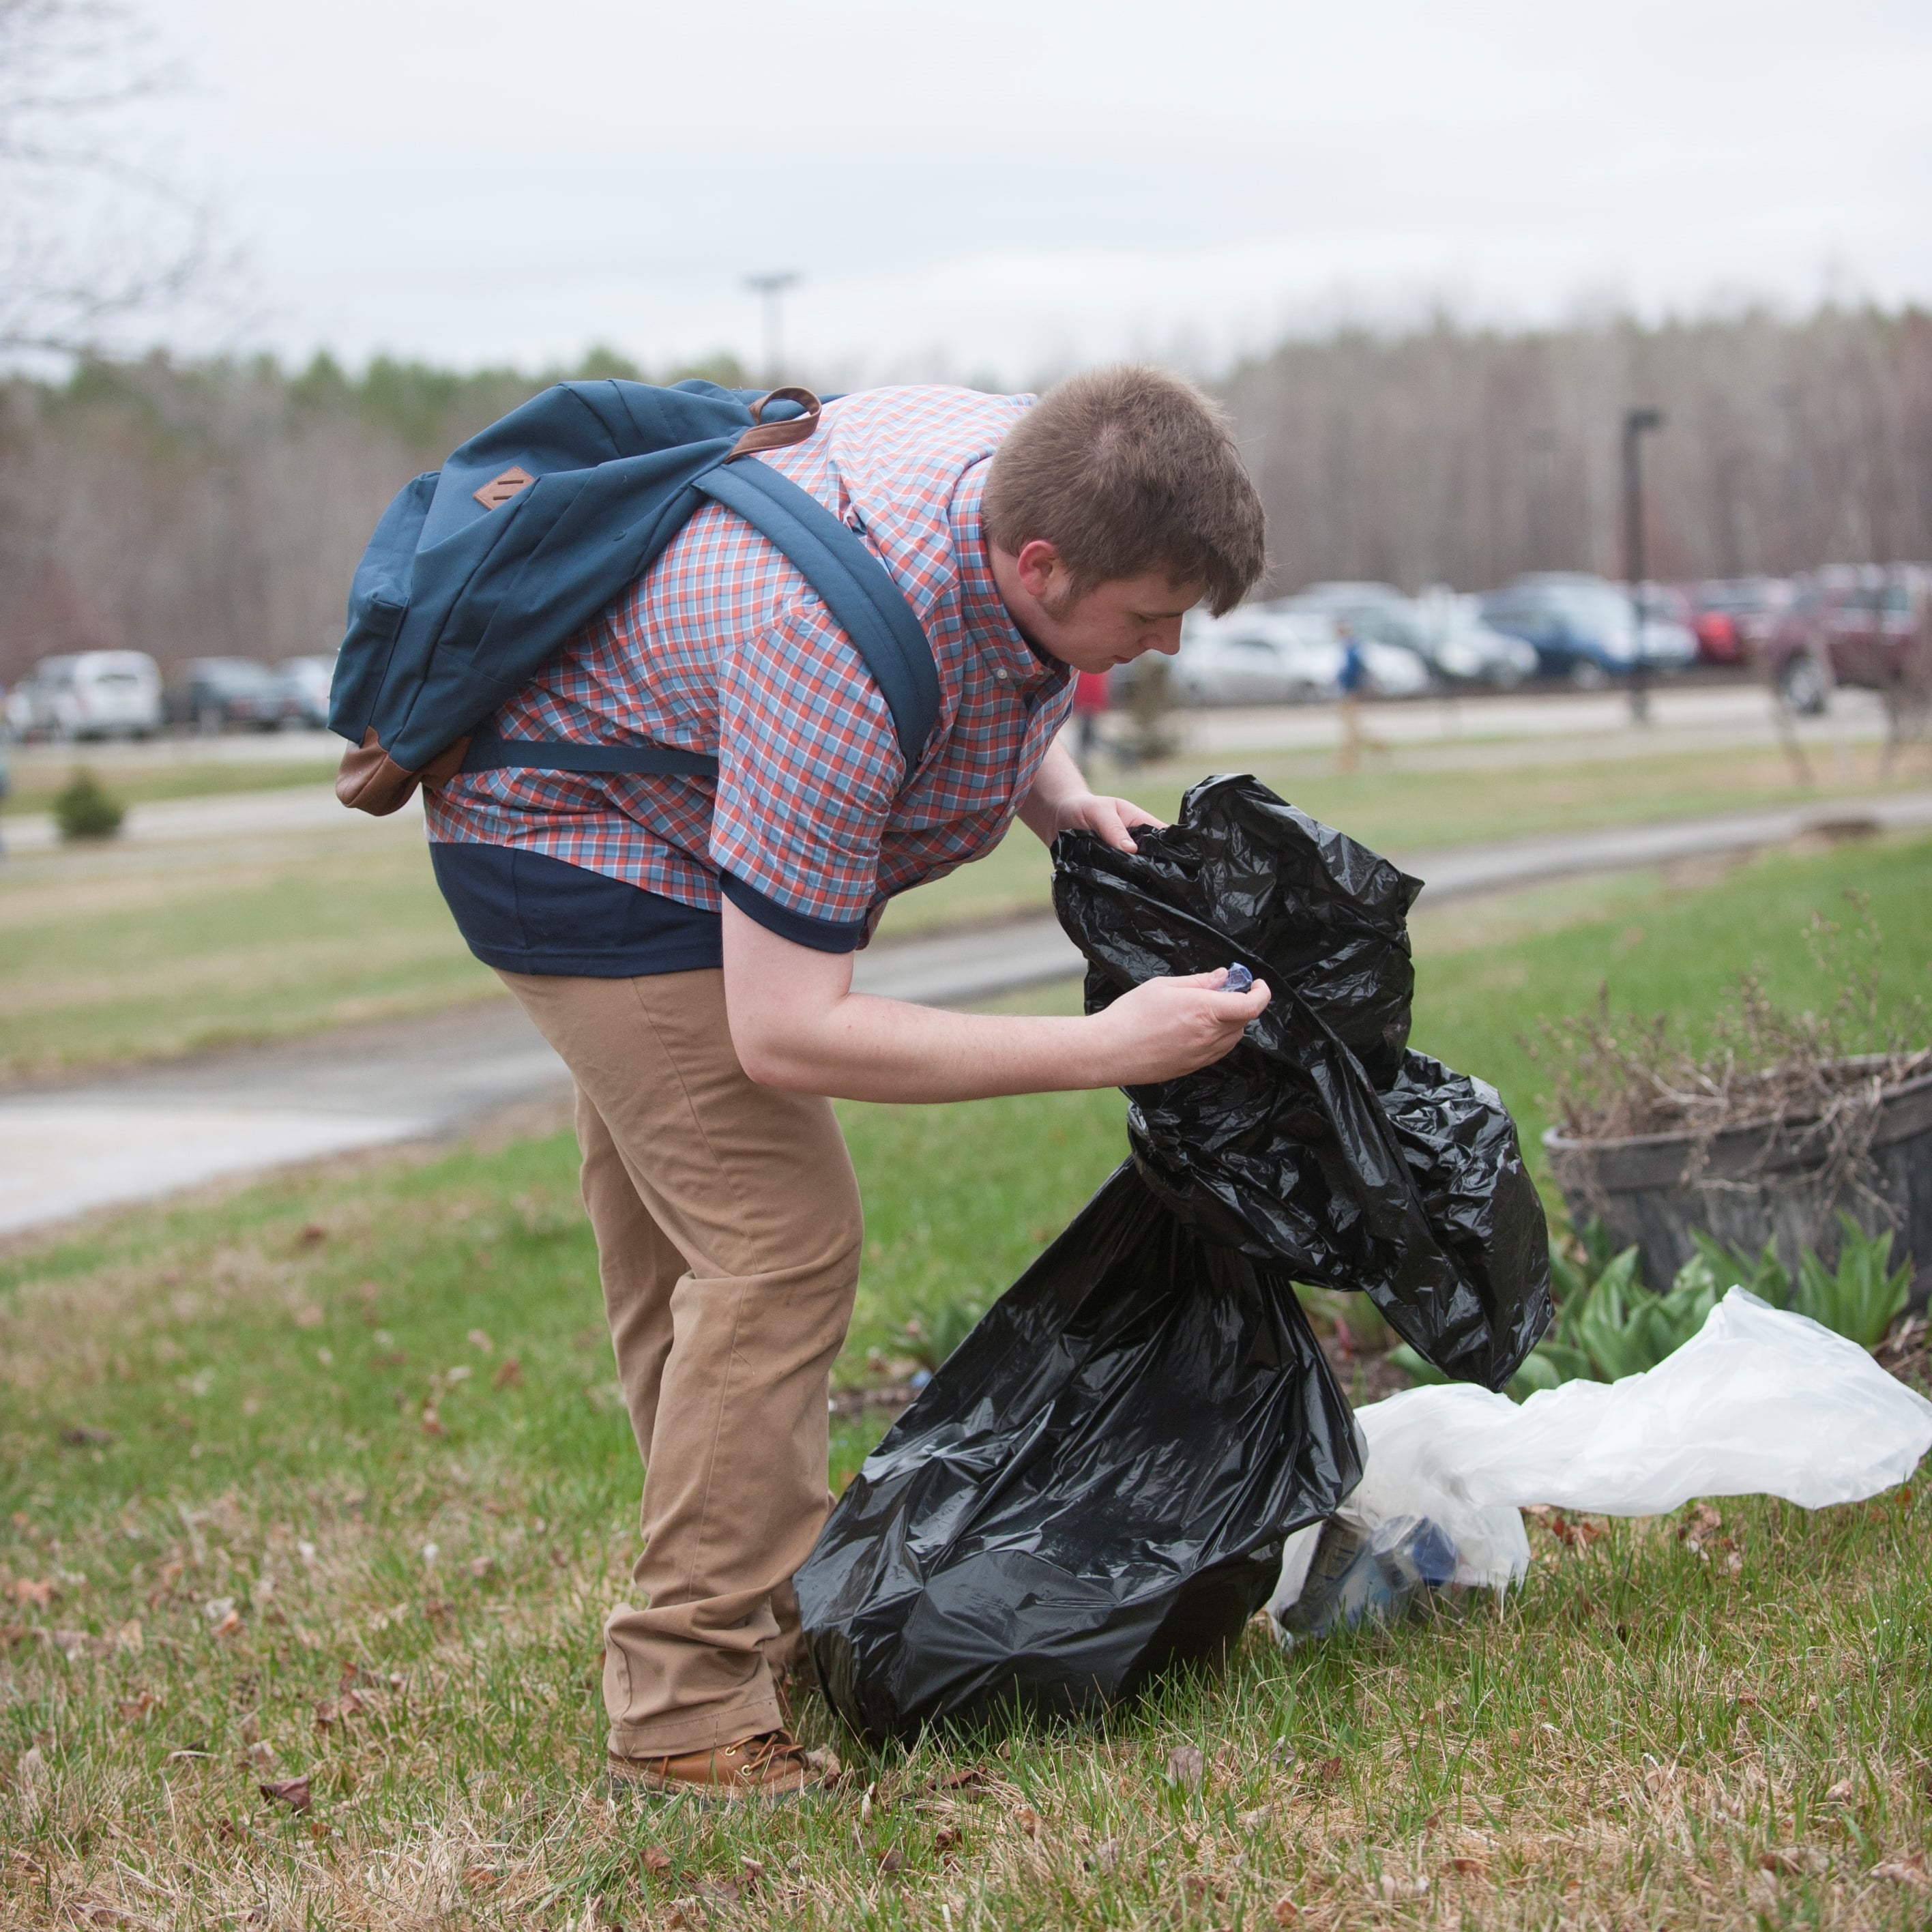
84	810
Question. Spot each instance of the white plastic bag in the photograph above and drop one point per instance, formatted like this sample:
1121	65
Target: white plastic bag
1757	1403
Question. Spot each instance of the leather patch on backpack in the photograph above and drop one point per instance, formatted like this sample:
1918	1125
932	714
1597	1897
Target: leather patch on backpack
370	780
500	489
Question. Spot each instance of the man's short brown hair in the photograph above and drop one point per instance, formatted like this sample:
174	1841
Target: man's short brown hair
1126	470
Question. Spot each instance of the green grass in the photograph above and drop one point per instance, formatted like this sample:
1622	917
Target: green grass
1411	803
241	945
142	952
278	1399
142	782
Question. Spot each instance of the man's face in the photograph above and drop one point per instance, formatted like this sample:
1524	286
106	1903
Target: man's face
1094	630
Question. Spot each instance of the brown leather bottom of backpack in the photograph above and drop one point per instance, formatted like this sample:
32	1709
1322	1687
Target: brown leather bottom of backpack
370	780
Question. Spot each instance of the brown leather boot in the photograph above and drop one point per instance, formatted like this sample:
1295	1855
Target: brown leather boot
769	1765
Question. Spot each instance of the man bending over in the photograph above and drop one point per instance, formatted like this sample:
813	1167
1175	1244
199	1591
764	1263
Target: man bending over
685	944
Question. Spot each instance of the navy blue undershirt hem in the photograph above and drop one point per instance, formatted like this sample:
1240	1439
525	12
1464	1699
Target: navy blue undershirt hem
525	912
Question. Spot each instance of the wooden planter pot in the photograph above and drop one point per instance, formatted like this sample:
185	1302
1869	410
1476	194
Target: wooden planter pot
1749	1189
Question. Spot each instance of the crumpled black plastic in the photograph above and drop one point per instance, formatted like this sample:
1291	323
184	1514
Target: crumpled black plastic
1322	1142
1094	1488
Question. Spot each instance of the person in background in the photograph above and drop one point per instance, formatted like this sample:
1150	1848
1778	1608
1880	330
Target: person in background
1352	680
1091	698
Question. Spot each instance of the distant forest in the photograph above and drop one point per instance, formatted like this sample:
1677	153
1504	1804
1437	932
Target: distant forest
219	509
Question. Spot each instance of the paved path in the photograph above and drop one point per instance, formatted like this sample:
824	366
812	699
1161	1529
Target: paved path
138	1135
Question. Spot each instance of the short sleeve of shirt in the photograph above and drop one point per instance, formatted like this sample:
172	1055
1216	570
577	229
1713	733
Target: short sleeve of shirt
808	768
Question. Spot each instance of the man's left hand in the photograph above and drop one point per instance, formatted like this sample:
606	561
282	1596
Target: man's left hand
1060	802
1109	819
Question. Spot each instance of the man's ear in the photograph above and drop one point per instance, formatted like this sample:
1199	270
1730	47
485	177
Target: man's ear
1042	573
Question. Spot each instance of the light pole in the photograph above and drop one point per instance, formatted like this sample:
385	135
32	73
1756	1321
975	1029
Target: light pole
1635	421
772	287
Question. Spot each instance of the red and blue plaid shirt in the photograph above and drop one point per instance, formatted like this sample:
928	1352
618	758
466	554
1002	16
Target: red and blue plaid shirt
723	647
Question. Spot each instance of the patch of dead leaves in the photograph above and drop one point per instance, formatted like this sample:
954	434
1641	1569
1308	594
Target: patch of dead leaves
1913	1871
1699	1535
339	1709
1573	1532
1793	1860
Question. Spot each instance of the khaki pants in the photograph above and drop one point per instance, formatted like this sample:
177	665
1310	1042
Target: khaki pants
728	1236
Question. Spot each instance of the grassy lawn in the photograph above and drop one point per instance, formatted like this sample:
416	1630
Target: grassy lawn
239	944
37	780
134	951
1408	804
326	1478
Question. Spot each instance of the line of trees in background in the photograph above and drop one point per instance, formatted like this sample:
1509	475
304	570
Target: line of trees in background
1461	456
219	509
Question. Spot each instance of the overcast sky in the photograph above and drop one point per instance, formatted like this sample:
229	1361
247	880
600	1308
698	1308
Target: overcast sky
999	189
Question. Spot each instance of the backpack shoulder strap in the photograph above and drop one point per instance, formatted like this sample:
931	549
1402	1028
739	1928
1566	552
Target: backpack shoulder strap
859	591
870	607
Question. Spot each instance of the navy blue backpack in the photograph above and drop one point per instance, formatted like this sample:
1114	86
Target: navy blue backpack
478	572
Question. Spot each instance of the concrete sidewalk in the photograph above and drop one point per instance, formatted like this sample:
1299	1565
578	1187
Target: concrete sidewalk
146	1132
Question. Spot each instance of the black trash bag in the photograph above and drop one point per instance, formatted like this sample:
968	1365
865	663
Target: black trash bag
1094	1489
1322	1143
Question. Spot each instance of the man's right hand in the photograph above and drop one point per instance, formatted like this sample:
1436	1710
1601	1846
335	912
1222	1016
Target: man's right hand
797	1024
1164	1028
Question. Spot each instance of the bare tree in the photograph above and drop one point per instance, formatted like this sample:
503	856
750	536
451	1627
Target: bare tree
220	506
93	232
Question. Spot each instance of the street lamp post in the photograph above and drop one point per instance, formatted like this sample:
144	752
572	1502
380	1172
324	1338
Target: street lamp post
1635	421
773	288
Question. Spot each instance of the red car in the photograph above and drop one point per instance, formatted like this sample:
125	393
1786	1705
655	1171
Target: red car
1864	624
1732	615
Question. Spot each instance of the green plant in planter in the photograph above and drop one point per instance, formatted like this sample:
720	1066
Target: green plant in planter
1766	1277
1353	1316
1610	1323
83	810
1864	1296
1625	1327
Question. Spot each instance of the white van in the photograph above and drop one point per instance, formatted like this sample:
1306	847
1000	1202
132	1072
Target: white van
93	695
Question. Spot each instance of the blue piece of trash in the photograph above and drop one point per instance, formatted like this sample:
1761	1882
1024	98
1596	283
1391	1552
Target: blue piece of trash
1239	979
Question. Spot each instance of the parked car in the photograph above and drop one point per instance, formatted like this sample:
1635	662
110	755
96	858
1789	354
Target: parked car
1463	649
1446	632
307	680
1376	613
1253	657
1258	655
1731	616
212	694
91	694
1585	628
1848	624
